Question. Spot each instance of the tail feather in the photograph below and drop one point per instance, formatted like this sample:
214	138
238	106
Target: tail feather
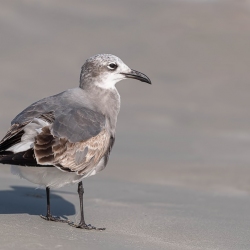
26	158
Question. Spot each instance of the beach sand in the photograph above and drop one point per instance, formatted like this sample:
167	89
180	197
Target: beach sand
179	174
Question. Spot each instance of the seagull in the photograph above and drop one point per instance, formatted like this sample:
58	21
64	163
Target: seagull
66	137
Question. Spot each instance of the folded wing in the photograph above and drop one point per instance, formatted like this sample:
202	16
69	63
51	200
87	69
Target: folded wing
49	134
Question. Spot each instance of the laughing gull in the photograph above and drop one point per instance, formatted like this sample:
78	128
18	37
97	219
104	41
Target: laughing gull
64	138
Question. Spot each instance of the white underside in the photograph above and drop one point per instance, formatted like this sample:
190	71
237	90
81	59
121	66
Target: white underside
52	176
46	176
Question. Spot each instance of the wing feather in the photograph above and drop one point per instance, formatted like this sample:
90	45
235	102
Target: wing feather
80	157
70	136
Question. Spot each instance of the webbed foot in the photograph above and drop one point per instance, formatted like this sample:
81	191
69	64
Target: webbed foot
85	226
50	217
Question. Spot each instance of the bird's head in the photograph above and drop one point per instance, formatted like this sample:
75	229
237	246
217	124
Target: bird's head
105	70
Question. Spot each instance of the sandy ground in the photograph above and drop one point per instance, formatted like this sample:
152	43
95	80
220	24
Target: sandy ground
179	175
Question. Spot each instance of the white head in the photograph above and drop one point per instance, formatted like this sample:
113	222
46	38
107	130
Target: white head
105	70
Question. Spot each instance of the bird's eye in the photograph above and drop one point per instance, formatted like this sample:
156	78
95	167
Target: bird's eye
112	66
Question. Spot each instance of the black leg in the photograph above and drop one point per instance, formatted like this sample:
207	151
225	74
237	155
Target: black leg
82	223
48	215
80	193
48	201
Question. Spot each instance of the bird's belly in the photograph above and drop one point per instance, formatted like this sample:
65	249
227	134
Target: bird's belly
52	176
46	176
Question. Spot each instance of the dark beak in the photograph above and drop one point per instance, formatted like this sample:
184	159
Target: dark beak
138	76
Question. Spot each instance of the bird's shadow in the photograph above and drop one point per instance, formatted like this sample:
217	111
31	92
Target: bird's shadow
32	201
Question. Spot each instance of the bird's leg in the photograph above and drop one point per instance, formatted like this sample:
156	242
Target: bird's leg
48	216
82	223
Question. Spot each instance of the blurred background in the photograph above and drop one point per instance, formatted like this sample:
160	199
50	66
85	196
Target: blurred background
191	128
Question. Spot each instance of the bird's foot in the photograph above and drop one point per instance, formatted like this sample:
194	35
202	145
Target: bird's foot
83	225
50	217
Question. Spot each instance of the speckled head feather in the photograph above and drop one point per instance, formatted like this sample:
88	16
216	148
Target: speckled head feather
102	70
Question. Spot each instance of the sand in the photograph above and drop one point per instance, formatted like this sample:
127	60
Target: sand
179	175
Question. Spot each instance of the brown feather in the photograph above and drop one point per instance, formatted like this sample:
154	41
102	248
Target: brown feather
80	157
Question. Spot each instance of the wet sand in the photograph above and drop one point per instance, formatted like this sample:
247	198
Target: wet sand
179	175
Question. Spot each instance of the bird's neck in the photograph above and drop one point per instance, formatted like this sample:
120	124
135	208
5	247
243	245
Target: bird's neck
105	101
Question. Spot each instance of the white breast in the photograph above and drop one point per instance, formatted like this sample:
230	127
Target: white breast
46	176
52	176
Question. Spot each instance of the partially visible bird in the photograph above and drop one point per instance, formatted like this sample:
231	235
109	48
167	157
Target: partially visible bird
64	138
